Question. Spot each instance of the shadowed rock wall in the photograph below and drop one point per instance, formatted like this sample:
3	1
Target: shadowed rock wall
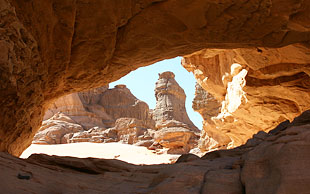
51	48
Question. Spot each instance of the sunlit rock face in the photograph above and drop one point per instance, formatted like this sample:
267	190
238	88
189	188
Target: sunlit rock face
94	116
170	102
174	128
52	48
83	108
257	88
105	115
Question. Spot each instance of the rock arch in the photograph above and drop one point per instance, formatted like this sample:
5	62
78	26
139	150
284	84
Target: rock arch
51	48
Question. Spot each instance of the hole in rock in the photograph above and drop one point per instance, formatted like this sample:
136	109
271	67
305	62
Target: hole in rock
145	117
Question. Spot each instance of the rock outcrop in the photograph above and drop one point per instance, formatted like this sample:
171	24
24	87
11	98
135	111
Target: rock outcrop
105	115
257	88
84	108
53	48
53	131
97	113
273	162
174	128
170	102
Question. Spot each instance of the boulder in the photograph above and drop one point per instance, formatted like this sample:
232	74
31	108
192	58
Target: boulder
131	130
53	130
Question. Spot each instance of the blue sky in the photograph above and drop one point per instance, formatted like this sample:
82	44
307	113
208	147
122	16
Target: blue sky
141	83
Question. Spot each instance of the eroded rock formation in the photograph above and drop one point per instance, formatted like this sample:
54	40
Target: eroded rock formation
170	102
174	128
52	48
111	115
273	162
258	88
95	116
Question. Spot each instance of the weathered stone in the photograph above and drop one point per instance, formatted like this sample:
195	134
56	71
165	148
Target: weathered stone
82	107
100	107
53	130
52	48
205	104
258	88
277	164
170	103
130	129
174	128
95	135
119	102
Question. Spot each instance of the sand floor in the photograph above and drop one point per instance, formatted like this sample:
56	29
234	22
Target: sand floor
128	153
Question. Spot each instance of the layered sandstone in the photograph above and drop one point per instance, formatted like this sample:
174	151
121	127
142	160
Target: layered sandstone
96	112
53	48
174	128
170	102
258	88
273	162
105	115
83	108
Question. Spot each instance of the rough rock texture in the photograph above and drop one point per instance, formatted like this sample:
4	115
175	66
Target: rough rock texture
258	88
170	102
174	128
274	162
95	135
83	108
97	114
205	104
52	48
131	130
110	115
53	130
120	102
100	107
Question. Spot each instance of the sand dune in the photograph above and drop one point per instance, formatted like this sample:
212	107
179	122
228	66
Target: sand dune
128	153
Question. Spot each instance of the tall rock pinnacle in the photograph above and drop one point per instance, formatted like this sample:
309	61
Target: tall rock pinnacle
170	102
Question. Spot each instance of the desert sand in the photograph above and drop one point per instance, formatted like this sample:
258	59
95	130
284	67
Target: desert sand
125	152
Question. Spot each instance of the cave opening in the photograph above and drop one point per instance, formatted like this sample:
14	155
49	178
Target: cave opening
236	96
120	120
53	48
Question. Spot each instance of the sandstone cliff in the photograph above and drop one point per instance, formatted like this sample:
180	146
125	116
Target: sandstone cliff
96	112
52	48
110	115
257	88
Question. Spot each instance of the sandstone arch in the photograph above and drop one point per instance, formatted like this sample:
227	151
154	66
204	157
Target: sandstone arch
51	48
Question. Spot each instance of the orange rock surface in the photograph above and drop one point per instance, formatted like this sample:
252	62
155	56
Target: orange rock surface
256	89
51	48
274	162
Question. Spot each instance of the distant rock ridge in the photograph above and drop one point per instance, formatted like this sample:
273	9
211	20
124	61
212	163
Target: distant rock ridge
105	115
